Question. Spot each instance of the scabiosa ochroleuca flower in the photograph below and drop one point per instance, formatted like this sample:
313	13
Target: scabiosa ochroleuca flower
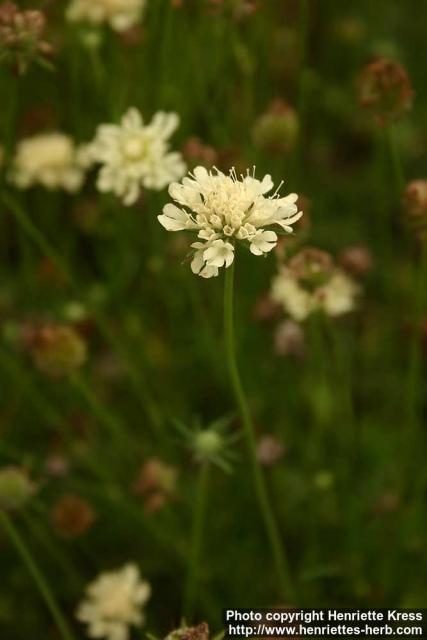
134	155
50	160
119	14
225	209
113	603
312	282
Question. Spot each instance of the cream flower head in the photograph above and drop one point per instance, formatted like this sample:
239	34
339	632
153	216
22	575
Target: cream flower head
119	14
50	160
223	209
312	282
113	603
134	155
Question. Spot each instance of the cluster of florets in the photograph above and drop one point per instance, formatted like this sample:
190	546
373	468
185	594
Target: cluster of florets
310	282
134	155
385	89
224	210
120	15
114	603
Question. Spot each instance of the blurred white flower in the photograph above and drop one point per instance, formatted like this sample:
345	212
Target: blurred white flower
223	209
135	155
335	297
339	295
113	603
287	291
50	160
119	14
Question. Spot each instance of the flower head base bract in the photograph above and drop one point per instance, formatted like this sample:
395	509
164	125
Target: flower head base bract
119	14
114	602
134	155
210	444
224	209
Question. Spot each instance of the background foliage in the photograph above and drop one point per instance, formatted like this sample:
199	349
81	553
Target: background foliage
350	491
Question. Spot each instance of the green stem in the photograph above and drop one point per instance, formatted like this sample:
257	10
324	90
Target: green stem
37	576
113	424
302	83
395	160
415	362
196	542
277	549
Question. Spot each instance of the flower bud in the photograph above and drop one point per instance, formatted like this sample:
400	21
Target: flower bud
415	207
207	445
15	488
356	259
385	89
197	153
21	33
415	198
323	480
269	450
289	339
156	475
276	130
72	516
265	308
311	266
387	503
58	350
200	632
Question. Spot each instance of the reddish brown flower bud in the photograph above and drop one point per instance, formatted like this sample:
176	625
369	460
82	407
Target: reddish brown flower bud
132	37
415	198
415	206
58	350
21	36
311	266
156	483
265	308
385	88
269	450
289	339
8	11
357	260
386	503
196	153
72	516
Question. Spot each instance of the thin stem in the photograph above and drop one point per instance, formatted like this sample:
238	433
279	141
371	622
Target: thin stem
302	82
105	416
196	541
278	552
415	361
395	160
37	576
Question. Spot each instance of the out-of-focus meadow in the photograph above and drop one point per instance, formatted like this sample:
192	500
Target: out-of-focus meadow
120	442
